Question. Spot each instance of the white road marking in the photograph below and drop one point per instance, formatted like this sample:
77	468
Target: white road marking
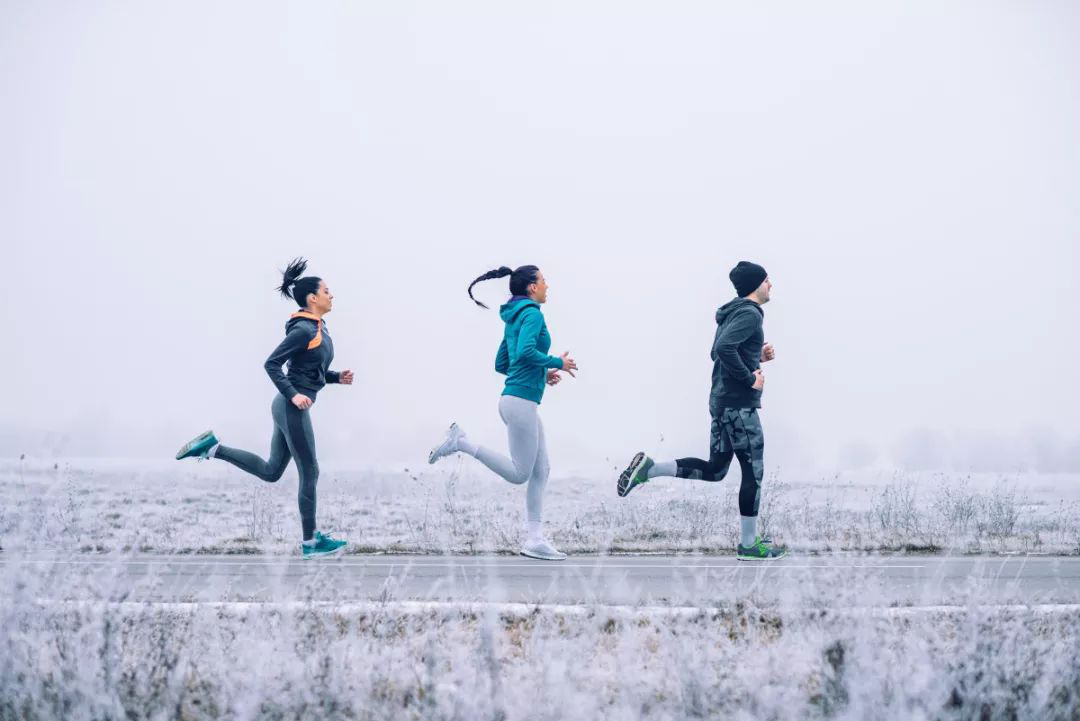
554	565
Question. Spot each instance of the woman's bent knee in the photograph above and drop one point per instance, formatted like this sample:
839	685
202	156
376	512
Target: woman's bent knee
273	474
520	477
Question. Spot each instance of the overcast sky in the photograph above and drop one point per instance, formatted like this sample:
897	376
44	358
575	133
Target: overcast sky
908	173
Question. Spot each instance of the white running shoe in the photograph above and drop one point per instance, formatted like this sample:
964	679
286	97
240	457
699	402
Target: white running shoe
453	436
541	549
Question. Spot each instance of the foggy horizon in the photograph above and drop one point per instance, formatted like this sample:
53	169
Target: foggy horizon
908	177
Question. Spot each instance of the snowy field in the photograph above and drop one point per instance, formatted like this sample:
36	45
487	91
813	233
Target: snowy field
88	651
108	659
460	507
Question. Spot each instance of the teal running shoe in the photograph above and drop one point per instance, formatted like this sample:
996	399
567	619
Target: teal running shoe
324	546
760	551
635	474
198	447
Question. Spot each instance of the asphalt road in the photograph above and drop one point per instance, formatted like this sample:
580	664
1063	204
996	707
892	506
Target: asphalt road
835	580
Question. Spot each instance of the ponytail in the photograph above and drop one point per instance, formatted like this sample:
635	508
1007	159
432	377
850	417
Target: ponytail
290	275
296	287
520	280
490	275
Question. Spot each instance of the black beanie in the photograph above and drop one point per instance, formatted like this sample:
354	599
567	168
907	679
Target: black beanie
746	277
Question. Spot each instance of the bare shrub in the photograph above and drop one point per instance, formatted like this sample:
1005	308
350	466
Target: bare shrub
264	519
896	510
998	512
956	506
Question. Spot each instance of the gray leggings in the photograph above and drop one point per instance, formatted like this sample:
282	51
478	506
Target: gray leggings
293	438
528	462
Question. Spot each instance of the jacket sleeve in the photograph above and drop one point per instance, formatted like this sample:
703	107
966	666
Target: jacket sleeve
295	342
729	337
502	359
531	323
333	377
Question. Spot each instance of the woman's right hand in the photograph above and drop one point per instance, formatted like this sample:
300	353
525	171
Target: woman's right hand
301	401
568	364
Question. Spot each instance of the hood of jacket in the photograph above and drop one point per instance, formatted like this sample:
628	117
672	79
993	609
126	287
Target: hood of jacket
734	306
512	309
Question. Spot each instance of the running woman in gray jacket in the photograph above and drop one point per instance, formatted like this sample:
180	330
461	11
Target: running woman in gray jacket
308	350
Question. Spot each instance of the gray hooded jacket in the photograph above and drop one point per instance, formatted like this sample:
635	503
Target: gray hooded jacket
736	354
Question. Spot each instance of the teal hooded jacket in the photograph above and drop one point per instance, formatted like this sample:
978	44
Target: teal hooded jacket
523	355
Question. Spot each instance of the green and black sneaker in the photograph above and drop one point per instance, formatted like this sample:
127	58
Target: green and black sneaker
324	546
760	551
635	474
198	447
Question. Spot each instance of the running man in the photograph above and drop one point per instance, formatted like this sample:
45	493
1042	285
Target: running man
308	350
523	358
738	350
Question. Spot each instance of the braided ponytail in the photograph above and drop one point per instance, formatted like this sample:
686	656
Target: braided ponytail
501	272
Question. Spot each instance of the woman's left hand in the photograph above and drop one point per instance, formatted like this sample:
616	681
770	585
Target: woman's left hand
346	378
553	377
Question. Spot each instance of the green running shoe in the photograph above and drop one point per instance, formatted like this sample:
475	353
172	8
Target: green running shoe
324	546
198	447
635	474
760	551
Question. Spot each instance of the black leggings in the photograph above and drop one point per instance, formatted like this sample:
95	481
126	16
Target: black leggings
716	468
293	439
736	433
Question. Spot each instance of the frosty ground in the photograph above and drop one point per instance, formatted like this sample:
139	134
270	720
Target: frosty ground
462	508
106	658
89	651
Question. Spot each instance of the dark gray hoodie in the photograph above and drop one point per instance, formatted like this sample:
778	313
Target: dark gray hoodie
309	368
736	354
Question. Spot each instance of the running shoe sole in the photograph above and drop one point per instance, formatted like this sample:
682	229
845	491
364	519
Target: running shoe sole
541	557
431	459
322	554
186	448
781	554
623	486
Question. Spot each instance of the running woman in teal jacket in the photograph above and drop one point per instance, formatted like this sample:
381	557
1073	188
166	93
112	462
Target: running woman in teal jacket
523	358
308	350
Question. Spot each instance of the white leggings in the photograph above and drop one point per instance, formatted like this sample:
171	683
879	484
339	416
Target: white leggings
528	460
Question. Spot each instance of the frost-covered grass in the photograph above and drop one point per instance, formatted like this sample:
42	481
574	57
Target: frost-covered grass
81	648
460	507
105	658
